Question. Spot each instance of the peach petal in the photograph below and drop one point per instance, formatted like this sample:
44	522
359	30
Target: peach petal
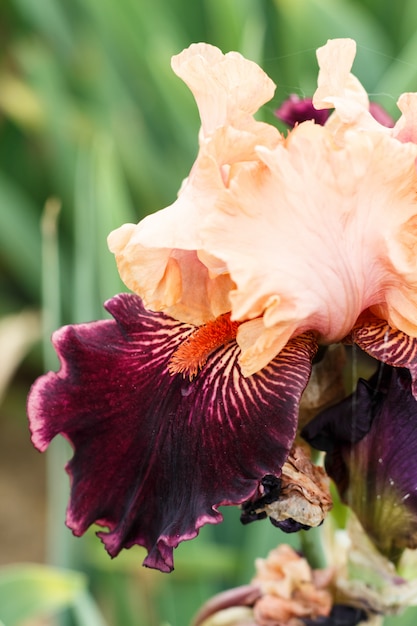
170	280
228	88
335	80
289	588
325	242
292	235
162	258
259	344
132	259
341	90
406	127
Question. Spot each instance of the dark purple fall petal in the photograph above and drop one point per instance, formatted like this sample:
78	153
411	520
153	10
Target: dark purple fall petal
326	433
376	475
295	110
388	345
155	455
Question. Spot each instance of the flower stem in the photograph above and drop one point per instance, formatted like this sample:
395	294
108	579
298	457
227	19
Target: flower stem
312	547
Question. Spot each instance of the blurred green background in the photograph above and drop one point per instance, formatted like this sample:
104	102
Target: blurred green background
95	131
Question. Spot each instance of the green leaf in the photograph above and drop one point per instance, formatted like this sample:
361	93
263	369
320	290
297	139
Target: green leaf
308	24
49	18
20	235
408	618
32	590
86	611
401	75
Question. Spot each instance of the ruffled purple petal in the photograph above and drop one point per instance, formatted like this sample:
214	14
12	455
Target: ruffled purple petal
155	454
376	472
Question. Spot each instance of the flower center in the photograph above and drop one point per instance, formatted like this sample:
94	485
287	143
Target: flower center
193	353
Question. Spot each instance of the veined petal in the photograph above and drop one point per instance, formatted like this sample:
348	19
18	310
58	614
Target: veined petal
156	454
387	345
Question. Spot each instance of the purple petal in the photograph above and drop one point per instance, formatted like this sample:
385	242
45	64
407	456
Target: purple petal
388	345
324	432
377	474
295	110
155	455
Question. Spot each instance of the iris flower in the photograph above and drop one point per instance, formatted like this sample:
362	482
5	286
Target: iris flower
285	591
189	397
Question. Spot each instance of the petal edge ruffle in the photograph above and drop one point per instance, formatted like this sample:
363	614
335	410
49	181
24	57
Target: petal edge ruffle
155	455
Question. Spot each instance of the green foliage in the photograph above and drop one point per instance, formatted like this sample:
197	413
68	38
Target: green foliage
28	591
92	114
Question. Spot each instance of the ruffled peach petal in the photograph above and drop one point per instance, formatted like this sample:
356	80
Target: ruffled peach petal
259	345
401	314
335	81
162	258
228	88
289	588
325	242
291	234
341	90
170	280
406	127
146	270
158	260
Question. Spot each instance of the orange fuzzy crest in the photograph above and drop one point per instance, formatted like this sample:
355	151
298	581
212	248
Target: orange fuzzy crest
192	354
